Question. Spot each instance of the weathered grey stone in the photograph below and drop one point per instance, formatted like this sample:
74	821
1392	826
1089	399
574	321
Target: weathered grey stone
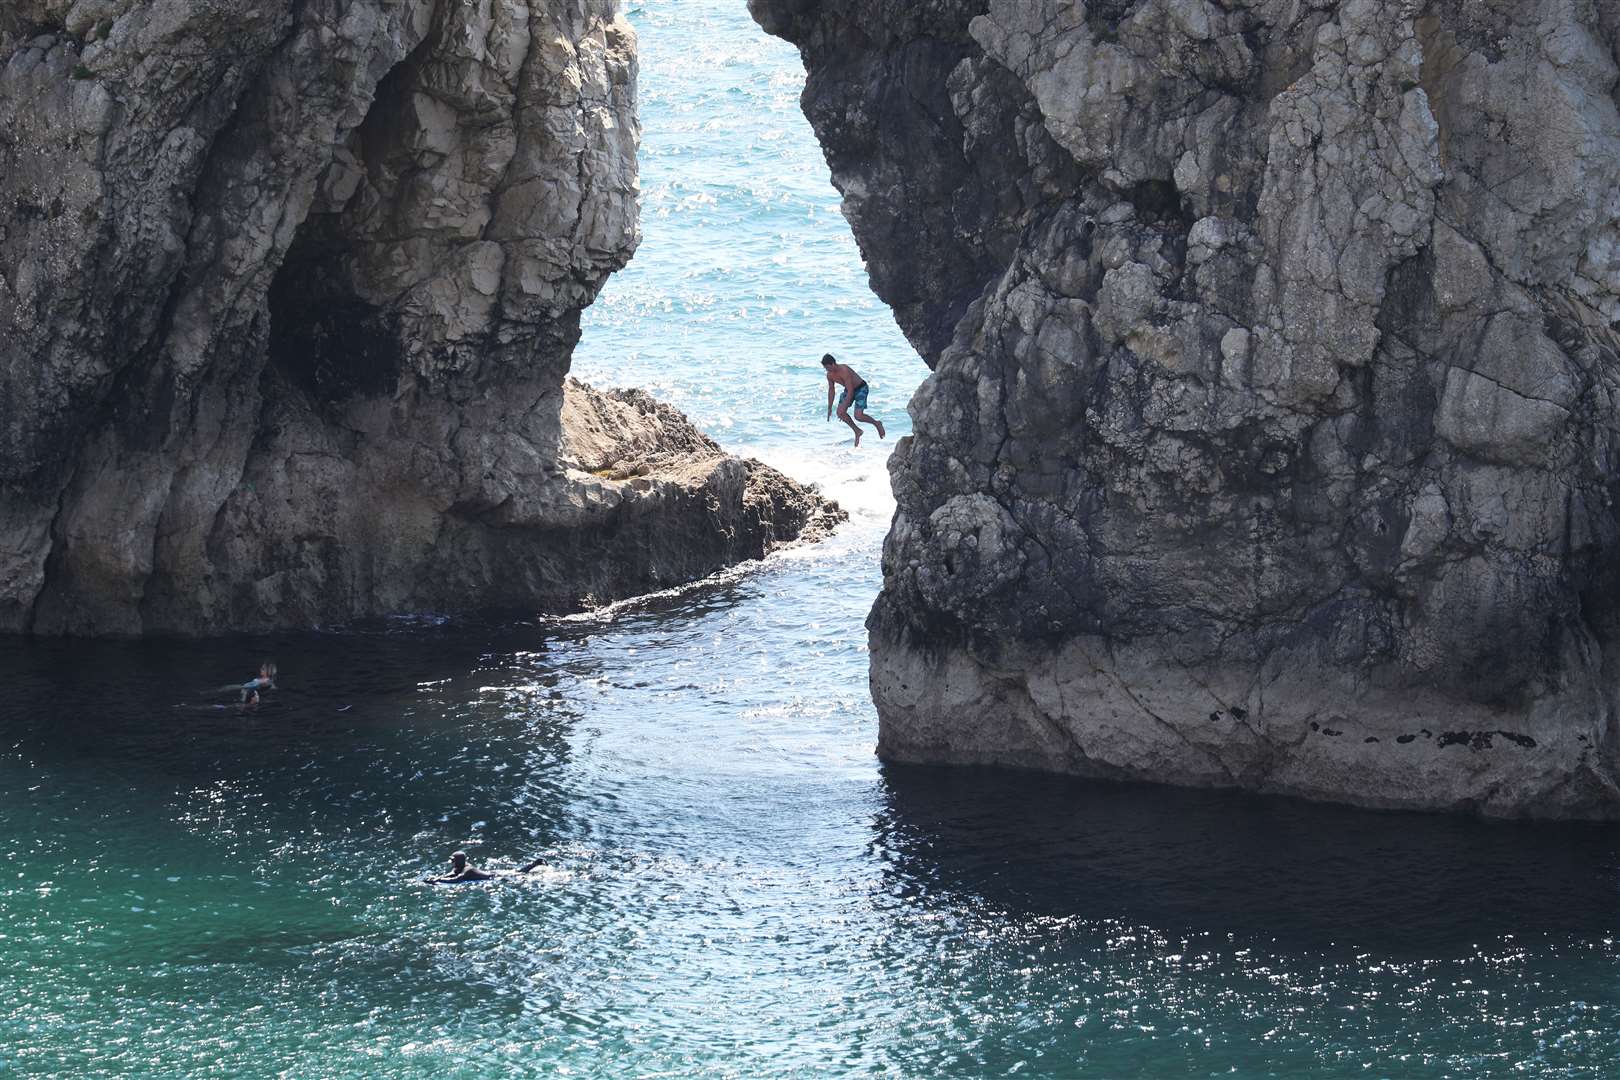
1272	431
288	292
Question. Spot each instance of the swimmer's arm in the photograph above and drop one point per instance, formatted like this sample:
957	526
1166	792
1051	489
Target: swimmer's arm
531	866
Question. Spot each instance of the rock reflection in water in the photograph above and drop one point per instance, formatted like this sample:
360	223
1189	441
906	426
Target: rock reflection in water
1291	873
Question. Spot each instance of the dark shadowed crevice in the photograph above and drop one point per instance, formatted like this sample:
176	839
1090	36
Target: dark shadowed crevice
1157	202
325	338
17	26
1104	16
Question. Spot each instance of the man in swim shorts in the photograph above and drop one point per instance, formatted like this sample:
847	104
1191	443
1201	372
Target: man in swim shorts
854	394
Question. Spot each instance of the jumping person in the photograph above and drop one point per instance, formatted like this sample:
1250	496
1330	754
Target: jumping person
854	393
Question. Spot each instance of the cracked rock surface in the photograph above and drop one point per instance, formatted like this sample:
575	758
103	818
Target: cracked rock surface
1272	435
288	291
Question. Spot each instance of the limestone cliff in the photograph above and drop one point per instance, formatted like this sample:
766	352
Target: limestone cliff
1271	440
288	290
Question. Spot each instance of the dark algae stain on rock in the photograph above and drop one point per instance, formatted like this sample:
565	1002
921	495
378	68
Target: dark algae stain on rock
288	295
1484	740
1274	356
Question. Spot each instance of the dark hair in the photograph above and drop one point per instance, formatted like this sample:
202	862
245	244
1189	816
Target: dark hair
458	857
828	359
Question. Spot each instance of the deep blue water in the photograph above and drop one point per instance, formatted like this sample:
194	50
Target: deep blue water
736	888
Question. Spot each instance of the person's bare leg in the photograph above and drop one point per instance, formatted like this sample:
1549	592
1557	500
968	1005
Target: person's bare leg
874	421
843	414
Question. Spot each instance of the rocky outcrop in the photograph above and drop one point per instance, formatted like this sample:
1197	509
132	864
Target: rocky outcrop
652	502
1271	440
288	292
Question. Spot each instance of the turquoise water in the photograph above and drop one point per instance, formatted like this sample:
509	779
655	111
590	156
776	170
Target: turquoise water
736	888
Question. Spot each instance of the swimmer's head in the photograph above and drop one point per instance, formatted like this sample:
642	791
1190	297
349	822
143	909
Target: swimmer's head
458	859
267	670
828	361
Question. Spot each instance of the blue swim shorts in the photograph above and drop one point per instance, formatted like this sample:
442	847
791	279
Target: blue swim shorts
860	398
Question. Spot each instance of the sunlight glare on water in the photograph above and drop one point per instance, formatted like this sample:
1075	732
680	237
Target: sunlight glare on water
735	887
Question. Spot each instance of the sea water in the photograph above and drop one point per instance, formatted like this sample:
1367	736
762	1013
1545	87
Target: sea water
735	887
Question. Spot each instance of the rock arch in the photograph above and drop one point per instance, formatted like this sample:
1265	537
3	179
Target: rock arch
287	297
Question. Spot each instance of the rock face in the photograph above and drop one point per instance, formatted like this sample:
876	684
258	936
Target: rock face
1271	440
653	502
288	290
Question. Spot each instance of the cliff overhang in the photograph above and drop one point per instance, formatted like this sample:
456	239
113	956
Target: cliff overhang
1271	436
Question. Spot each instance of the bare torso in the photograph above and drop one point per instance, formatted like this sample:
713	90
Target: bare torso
855	392
845	376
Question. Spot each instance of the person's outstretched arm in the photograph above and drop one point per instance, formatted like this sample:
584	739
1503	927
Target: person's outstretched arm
456	879
531	866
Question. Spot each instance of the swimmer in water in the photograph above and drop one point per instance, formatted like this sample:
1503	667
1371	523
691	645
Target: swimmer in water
249	690
460	871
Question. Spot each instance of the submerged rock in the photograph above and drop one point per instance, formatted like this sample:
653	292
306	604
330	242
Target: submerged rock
288	293
1272	425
